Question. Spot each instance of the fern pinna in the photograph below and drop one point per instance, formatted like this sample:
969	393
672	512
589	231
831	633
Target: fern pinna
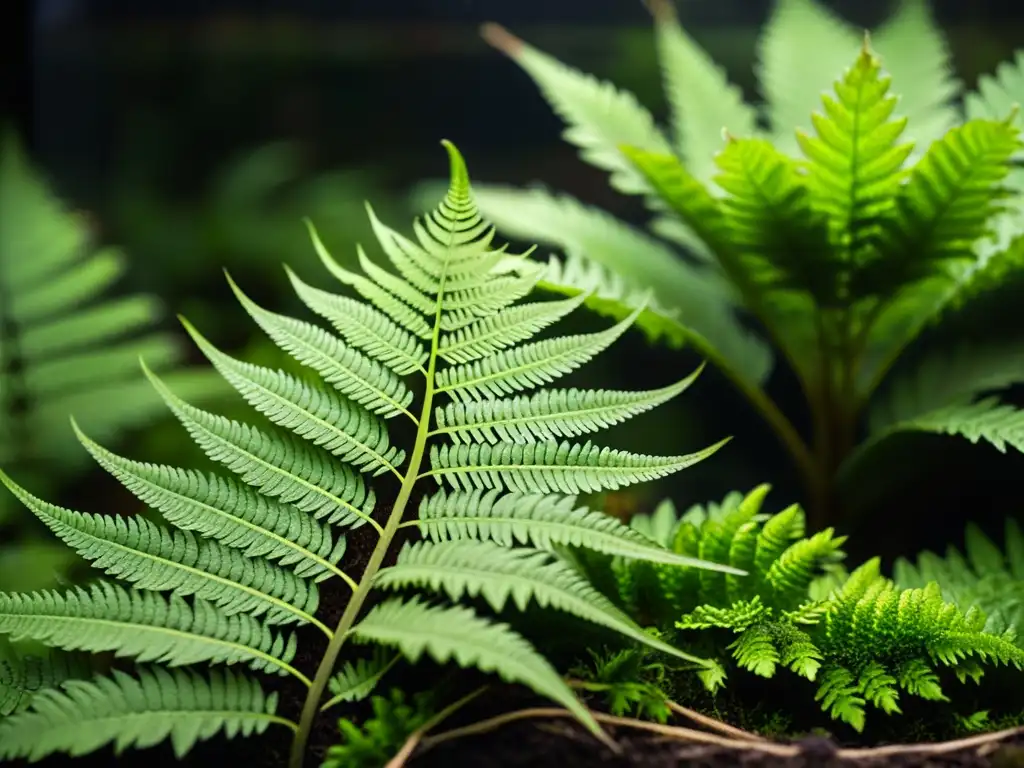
983	576
859	637
245	557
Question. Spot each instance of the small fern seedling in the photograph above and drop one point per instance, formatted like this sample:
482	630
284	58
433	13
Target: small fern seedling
982	576
862	641
246	557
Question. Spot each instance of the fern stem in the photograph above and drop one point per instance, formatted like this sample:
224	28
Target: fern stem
311	707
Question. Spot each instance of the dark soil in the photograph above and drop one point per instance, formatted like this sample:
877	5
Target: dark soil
561	744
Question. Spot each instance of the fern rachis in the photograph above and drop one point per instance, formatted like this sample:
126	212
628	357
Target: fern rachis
245	559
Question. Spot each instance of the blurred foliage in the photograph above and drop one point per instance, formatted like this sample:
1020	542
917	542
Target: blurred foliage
68	346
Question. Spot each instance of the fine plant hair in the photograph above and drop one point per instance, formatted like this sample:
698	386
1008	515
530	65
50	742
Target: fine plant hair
65	346
244	560
844	224
859	637
982	576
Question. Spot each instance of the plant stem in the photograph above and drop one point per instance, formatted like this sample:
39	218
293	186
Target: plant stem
323	673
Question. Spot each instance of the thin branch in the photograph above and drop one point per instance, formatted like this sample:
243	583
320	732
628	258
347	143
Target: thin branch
416	736
715	725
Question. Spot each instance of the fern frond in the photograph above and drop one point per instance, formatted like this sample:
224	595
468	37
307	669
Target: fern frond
549	414
916	55
840	696
357	680
792	92
947	378
599	117
989	420
65	347
946	204
855	162
279	465
610	295
361	379
22	675
543	521
520	575
153	557
351	433
138	712
528	366
444	633
224	510
755	651
365	328
703	102
146	626
552	466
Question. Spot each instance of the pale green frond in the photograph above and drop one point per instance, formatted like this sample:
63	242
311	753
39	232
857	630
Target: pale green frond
780	240
360	378
365	328
608	293
549	413
599	117
407	318
227	511
279	465
348	431
799	32
150	556
528	366
542	521
986	420
915	53
946	204
23	675
855	163
146	626
999	268
560	220
463	307
357	680
458	634
702	100
552	466
497	331
67	346
501	574
998	96
141	711
947	378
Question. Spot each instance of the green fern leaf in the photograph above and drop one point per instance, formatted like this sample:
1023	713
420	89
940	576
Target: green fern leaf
549	414
277	464
552	466
153	557
854	159
946	204
138	711
522	575
221	509
24	675
146	626
791	90
365	328
610	295
702	100
541	521
916	55
355	681
458	633
361	379
599	117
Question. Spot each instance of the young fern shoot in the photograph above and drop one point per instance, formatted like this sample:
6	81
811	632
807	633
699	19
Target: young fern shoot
245	556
